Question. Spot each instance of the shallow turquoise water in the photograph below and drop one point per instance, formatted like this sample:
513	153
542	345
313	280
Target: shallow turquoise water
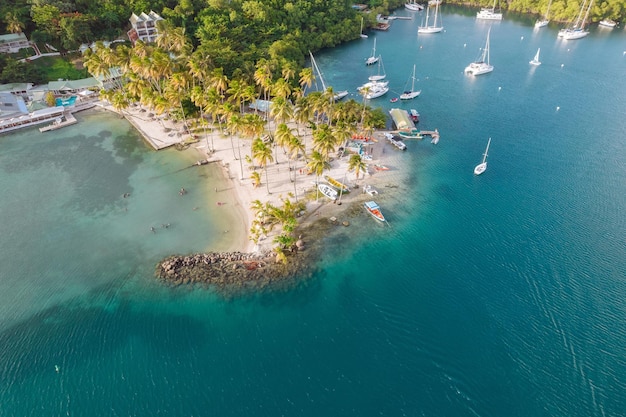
493	295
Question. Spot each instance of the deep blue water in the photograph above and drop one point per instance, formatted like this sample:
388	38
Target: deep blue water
493	295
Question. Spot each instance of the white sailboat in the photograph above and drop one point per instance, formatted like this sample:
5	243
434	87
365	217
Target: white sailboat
535	60
482	65
380	75
434	28
373	58
482	167
489	13
363	36
413	6
336	96
545	20
411	94
577	30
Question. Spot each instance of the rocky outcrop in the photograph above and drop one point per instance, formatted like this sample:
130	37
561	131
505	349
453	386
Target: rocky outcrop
233	271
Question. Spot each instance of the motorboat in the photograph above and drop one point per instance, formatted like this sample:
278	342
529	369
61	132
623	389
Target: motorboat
374	210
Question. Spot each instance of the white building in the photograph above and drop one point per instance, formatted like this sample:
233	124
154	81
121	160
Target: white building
144	27
13	42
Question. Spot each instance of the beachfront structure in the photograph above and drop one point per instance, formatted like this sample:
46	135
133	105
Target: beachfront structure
13	42
17	89
144	27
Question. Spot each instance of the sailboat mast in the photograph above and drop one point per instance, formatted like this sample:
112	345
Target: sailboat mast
486	150
413	83
586	15
317	70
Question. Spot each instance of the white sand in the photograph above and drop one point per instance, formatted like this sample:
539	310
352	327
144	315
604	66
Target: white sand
237	191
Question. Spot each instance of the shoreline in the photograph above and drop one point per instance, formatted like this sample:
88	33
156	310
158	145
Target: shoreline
236	192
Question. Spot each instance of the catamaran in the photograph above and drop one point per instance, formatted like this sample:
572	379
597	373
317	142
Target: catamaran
482	66
545	20
411	94
482	167
489	13
336	96
535	60
373	58
434	28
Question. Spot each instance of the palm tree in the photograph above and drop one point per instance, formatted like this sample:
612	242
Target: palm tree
317	164
357	164
263	154
307	77
295	147
13	22
323	141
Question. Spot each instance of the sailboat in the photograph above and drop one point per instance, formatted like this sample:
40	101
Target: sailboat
489	13
482	167
373	58
432	28
535	60
545	20
481	66
380	75
577	30
336	96
363	36
413	6
411	94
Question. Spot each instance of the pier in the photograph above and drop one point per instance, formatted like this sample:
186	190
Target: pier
434	134
65	120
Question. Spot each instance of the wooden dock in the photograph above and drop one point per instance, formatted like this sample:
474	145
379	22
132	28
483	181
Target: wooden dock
65	120
434	134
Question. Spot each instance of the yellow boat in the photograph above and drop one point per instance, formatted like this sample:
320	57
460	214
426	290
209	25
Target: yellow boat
338	185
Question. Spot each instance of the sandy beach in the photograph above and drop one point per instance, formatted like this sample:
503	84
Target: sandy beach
236	192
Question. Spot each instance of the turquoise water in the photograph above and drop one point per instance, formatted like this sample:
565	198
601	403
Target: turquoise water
493	295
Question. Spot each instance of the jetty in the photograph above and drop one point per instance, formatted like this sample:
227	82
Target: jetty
66	119
434	135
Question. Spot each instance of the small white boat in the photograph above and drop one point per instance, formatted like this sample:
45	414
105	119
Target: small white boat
368	189
535	60
373	58
482	65
489	13
328	191
482	167
545	19
396	142
608	23
374	210
413	6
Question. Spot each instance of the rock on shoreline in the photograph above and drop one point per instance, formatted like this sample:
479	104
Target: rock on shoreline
230	271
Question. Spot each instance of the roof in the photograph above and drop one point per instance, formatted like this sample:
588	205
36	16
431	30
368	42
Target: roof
401	119
70	85
152	16
13	37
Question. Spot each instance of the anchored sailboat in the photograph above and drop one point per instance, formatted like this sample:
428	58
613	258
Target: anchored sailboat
373	58
482	167
545	20
336	96
381	71
535	60
411	94
489	13
481	66
577	30
434	28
